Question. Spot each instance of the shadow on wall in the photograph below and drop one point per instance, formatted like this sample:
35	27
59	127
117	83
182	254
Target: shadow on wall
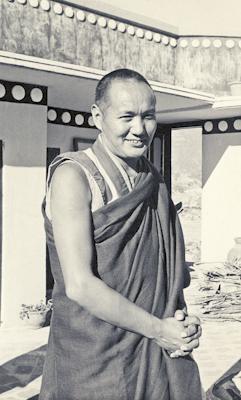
228	386
20	371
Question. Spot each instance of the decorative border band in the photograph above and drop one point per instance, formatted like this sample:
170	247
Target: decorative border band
104	22
210	126
131	28
77	119
18	92
205	42
63	116
224	125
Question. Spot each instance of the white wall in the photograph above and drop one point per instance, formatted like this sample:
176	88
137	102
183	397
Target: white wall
24	134
221	200
62	136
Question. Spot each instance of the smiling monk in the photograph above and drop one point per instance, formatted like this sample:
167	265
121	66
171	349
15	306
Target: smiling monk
118	329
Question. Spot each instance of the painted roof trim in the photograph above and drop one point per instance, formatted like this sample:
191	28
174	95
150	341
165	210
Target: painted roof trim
121	14
183	92
91	73
227	102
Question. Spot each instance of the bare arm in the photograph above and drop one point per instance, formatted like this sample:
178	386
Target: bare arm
73	233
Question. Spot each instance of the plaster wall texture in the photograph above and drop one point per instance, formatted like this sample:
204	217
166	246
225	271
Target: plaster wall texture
208	69
24	134
45	34
33	31
221	195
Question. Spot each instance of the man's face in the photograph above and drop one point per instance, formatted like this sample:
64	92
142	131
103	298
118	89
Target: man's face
127	118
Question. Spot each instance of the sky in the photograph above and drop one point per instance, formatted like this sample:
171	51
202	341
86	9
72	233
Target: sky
197	17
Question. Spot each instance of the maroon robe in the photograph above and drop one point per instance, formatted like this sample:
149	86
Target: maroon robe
140	254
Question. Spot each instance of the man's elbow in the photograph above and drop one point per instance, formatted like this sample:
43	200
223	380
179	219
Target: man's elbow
80	292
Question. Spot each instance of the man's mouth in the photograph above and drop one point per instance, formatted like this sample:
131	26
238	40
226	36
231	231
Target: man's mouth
135	141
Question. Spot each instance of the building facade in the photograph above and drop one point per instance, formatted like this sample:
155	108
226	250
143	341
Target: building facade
51	57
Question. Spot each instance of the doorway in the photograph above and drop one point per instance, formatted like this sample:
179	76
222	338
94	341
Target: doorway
186	177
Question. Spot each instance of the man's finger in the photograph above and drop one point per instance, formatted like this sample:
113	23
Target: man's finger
192	320
189	331
189	336
179	353
196	335
190	346
180	315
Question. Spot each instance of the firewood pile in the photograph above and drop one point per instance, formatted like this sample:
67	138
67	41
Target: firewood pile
219	292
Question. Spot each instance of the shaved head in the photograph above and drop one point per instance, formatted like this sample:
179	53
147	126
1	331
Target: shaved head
123	74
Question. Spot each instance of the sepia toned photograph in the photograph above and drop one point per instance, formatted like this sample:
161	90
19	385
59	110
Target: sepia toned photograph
120	200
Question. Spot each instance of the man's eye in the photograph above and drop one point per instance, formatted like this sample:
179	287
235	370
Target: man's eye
150	116
126	117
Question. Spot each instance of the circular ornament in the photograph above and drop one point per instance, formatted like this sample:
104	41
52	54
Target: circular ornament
223	126
102	22
131	30
157	37
195	43
230	43
183	43
112	24
45	5
69	12
66	117
80	15
79	119
165	40
173	42
18	92
36	95
91	121
2	90
148	35
237	124
92	19
52	115
58	9
121	27
34	3
208	126
140	33
206	43
217	43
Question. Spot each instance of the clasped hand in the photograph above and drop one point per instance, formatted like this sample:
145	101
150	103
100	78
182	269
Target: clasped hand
179	334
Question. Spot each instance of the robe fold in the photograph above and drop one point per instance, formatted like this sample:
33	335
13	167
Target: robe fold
139	253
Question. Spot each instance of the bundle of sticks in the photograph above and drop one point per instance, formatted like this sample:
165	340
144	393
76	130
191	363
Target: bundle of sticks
220	293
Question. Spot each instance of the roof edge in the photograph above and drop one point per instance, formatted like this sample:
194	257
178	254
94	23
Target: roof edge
57	67
121	14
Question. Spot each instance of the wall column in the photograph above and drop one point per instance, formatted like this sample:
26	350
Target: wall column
23	115
221	197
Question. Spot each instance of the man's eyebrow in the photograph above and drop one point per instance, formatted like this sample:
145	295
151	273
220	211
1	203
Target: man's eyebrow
125	112
150	111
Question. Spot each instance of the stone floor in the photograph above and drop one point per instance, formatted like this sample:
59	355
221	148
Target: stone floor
22	354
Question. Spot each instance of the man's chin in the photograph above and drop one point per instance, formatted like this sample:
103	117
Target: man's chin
137	152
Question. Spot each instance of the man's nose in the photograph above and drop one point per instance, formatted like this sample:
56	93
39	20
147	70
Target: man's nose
138	127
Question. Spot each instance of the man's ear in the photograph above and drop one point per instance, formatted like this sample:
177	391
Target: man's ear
97	116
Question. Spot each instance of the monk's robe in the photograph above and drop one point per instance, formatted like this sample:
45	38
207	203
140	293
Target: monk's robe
139	252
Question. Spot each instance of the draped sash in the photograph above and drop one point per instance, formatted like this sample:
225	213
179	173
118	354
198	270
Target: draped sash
140	254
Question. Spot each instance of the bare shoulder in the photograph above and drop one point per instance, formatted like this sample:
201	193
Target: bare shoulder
69	184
